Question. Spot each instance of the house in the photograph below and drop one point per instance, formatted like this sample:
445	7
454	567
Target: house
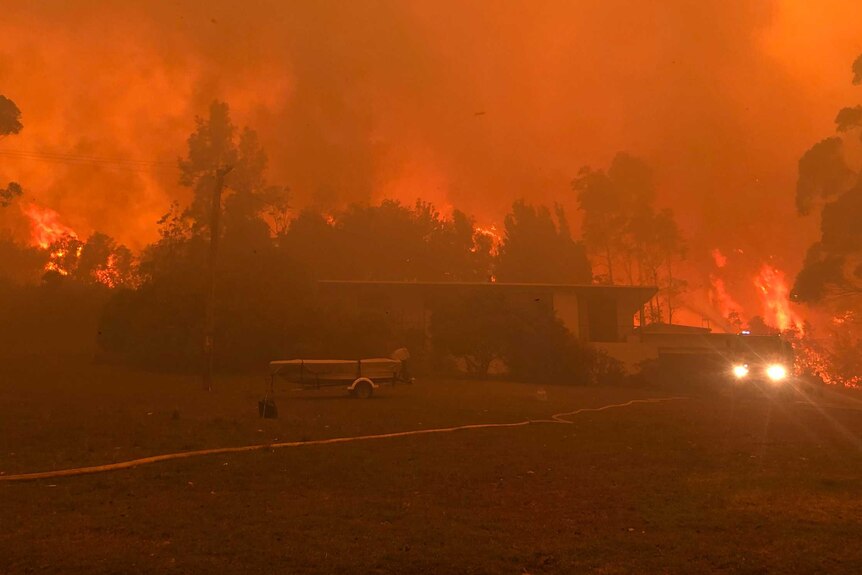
603	315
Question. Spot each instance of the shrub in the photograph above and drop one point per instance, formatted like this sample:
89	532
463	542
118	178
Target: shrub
481	327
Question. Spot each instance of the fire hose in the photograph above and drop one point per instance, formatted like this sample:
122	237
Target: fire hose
559	418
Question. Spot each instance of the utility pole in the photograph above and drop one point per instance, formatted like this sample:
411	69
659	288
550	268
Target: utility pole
209	320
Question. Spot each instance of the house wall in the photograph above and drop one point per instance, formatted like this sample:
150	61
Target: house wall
567	309
595	317
625	319
630	354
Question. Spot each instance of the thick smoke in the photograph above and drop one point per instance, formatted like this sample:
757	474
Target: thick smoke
471	104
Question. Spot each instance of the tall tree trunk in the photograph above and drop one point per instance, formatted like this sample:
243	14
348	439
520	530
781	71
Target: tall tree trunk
670	289
209	319
610	264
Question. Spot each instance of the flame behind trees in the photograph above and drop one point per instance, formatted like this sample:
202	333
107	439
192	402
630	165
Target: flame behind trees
388	241
99	259
264	271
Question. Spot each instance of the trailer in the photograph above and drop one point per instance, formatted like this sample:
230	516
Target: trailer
361	377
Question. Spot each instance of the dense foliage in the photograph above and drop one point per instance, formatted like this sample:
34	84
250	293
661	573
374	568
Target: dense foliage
831	182
520	334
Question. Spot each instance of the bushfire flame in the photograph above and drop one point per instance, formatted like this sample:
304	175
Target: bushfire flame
774	292
492	234
64	247
46	228
49	233
721	299
109	275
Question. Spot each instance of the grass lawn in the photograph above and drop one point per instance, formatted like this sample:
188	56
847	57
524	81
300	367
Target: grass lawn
712	483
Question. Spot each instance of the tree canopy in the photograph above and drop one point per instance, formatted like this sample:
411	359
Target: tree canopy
538	247
10	117
10	123
829	181
622	229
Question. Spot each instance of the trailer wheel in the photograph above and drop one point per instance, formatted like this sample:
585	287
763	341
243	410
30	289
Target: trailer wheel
362	389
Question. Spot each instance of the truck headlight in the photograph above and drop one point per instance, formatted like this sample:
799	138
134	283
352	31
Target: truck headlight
776	372
740	371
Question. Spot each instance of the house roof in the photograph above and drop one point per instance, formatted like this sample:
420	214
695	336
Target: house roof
673	328
644	293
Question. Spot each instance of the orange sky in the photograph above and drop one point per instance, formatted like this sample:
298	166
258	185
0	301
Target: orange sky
369	98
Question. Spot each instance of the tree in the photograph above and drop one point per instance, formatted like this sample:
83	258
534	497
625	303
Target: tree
211	148
658	243
610	201
312	242
388	241
830	282
10	123
9	194
484	325
827	181
277	208
536	248
472	327
20	264
624	230
102	260
216	160
384	242
454	250
10	117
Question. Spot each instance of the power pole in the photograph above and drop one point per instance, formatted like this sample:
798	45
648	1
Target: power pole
209	320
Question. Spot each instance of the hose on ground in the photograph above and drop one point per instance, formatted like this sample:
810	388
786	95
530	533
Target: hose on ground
558	418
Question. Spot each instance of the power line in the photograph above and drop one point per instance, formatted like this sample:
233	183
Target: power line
96	161
69	155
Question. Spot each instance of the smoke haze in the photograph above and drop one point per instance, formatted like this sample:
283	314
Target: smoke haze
471	104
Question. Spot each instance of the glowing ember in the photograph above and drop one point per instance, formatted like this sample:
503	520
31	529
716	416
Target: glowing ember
774	292
492	234
814	356
108	275
61	258
844	317
718	258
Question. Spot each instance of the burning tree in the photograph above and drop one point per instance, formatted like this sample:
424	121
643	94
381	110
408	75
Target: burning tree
98	260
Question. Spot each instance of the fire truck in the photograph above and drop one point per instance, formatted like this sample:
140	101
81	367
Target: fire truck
760	359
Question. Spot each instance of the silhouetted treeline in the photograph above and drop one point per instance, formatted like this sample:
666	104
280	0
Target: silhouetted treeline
266	299
271	256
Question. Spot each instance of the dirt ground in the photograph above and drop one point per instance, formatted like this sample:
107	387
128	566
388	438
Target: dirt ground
714	483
